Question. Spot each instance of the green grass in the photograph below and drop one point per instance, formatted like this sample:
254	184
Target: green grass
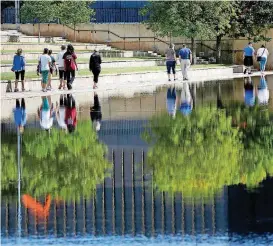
34	61
84	72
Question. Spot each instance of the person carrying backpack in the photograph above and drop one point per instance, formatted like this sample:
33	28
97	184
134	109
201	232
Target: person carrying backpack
70	65
52	68
18	67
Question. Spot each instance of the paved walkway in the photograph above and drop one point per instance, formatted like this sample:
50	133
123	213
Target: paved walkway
127	88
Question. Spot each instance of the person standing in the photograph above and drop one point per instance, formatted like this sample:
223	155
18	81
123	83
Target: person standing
248	57
52	68
70	114
262	54
45	113
262	91
171	102
185	58
70	65
249	94
18	67
95	113
186	100
44	65
60	61
20	116
95	67
170	61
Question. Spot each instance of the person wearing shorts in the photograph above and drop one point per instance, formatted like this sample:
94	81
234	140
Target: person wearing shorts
52	68
18	67
60	61
44	63
170	61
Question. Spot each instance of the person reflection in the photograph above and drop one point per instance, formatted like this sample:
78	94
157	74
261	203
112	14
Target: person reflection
186	100
70	113
262	91
45	113
95	113
171	101
249	94
60	112
20	116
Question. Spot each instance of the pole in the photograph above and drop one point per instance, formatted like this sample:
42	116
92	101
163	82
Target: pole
19	181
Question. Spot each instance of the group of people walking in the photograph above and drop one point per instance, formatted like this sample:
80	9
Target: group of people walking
65	64
65	113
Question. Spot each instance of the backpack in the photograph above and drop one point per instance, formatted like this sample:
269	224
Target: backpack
69	62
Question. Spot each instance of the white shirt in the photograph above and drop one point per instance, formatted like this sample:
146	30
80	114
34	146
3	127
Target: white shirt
263	52
60	118
45	59
60	59
263	96
46	121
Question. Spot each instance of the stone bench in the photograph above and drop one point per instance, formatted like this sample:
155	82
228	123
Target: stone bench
49	40
13	38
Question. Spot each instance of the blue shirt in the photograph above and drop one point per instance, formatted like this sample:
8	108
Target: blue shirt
20	116
18	63
185	53
249	51
249	98
185	108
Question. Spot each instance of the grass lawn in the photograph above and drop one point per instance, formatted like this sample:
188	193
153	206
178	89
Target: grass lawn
82	60
83	72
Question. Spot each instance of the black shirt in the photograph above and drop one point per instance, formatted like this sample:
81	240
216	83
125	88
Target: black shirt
95	61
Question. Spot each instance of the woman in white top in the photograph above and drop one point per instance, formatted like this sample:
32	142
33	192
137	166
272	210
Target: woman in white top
263	53
45	113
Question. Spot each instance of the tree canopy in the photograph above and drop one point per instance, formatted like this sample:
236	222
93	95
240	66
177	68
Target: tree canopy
66	166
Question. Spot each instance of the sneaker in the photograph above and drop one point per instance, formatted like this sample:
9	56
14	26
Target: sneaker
44	90
174	79
69	86
16	90
48	88
169	79
245	71
249	72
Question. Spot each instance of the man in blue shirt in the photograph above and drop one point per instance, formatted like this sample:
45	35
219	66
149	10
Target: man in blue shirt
186	100
248	57
185	58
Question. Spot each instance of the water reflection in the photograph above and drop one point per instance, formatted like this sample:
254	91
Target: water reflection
182	184
45	113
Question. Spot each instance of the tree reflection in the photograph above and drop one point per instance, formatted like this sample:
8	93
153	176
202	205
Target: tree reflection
211	148
65	166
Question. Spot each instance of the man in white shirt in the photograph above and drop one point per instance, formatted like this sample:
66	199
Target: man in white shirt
44	63
60	61
262	54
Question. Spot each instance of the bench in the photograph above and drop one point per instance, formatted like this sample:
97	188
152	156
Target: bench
13	38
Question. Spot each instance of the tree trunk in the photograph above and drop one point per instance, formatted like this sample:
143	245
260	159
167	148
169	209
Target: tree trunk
193	47
218	49
39	30
74	33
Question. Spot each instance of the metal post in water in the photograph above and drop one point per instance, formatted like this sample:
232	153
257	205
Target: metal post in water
19	182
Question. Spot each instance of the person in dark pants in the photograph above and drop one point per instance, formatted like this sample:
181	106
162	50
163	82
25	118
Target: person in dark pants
170	61
95	113
70	114
20	116
95	67
70	65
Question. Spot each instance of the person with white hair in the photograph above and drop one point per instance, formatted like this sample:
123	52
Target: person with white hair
95	113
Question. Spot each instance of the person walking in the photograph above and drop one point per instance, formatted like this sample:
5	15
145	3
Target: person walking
20	116
262	91
186	100
170	61
95	67
18	67
171	101
70	65
60	60
52	68
249	94
262	54
43	68
95	113
249	53
70	114
60	112
185	58
45	113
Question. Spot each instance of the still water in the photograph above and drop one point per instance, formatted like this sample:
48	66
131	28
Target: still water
186	165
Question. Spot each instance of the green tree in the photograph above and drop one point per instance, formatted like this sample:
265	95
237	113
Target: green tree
42	11
66	166
179	18
75	12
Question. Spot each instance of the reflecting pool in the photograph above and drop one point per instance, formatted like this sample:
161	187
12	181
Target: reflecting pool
190	164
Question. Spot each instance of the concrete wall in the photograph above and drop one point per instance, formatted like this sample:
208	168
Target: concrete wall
127	36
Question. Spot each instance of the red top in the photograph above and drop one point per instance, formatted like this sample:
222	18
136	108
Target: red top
70	116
